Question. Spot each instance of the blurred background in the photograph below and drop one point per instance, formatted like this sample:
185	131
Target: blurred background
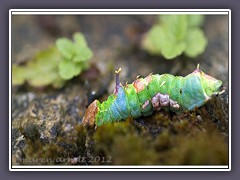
46	122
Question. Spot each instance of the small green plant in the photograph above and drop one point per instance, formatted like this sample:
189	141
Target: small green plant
56	64
173	35
75	56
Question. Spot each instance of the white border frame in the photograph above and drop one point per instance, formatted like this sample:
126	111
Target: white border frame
117	12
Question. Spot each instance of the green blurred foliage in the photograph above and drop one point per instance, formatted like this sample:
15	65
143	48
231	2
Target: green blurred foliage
174	35
56	64
42	70
75	56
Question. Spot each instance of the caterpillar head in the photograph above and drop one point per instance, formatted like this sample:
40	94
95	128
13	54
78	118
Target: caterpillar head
210	85
90	114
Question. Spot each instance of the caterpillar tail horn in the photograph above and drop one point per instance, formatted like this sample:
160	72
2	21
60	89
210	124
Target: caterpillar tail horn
90	114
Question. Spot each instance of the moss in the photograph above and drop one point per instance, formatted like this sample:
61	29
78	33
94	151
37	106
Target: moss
154	124
217	109
31	132
205	146
62	151
132	149
104	135
201	149
180	140
123	144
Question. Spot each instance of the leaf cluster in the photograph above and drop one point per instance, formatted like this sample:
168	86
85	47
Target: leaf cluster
56	64
174	35
75	56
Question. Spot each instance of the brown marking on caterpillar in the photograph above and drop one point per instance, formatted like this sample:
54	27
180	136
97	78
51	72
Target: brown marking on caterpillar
148	78
139	85
145	104
90	114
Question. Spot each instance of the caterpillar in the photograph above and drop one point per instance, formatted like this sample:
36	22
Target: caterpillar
154	92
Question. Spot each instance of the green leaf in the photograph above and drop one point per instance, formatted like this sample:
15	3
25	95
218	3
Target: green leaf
195	20
168	37
43	78
66	69
78	68
196	43
174	34
83	54
151	42
159	42
41	71
175	26
81	50
79	40
58	83
65	47
18	75
172	49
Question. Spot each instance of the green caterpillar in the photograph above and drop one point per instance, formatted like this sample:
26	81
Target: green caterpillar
153	92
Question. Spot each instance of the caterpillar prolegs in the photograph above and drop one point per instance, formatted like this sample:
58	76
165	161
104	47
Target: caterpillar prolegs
153	92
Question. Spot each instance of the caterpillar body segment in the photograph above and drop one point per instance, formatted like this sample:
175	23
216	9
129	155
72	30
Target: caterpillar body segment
152	93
